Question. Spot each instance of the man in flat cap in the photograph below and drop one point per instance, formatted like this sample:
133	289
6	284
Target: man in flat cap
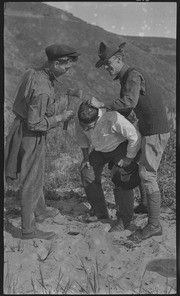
34	108
140	93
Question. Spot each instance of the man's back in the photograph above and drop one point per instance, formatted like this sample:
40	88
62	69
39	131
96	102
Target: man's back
150	109
110	130
33	83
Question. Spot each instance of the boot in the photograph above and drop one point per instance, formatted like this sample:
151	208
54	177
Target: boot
142	208
153	227
118	226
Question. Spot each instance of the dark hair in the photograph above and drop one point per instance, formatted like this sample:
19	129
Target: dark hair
86	113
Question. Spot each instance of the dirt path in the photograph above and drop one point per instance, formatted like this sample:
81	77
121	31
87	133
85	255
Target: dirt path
86	258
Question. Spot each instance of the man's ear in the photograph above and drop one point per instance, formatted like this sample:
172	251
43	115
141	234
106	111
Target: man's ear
56	63
120	58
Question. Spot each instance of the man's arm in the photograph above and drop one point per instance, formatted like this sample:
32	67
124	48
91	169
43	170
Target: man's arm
37	119
130	94
85	161
128	101
84	143
130	133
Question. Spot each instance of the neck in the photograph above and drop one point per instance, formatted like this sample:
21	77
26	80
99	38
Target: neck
49	69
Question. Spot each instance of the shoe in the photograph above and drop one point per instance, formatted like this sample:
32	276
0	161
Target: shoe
92	212
146	232
118	226
39	234
91	219
141	209
48	214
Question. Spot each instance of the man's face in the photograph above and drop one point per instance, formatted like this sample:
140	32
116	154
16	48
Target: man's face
87	127
113	65
63	65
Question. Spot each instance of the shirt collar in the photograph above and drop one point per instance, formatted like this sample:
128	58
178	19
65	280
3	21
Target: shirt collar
48	72
121	73
99	114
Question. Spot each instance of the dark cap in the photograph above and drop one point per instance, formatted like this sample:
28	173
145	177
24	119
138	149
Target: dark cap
127	177
57	51
105	52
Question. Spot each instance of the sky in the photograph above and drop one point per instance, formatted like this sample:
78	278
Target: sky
156	19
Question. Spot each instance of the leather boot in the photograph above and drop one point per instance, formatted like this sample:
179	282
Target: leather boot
153	227
118	226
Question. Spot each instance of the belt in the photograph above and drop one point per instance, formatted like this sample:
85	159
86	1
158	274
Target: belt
27	131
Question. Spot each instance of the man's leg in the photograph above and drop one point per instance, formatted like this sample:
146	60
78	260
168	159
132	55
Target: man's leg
124	201
43	212
152	150
91	179
124	198
32	178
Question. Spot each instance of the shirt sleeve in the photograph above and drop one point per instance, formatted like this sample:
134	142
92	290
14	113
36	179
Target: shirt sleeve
130	94
37	119
130	133
82	139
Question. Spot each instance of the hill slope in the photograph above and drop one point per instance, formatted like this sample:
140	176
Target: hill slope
30	27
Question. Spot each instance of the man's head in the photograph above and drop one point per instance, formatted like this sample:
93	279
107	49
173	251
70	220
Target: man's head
87	116
111	57
61	58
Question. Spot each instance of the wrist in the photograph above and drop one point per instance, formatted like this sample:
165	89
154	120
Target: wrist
102	105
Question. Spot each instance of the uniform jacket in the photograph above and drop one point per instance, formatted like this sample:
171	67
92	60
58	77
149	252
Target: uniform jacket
140	93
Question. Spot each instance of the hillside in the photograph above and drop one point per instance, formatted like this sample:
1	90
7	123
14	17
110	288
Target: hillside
162	48
30	27
85	258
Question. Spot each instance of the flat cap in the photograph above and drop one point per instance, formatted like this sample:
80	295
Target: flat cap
127	177
58	50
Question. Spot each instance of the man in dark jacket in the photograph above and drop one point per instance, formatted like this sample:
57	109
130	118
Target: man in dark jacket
140	93
34	108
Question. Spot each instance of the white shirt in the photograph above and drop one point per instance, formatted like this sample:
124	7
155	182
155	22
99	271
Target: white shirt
111	129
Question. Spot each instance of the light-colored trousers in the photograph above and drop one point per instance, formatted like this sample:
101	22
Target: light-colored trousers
152	149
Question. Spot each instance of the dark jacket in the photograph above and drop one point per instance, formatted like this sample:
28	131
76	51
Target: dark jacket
140	93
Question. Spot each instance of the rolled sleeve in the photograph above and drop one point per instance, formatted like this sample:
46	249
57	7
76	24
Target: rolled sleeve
130	133
37	119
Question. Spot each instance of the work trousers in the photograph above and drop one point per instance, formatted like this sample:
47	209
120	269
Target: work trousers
91	179
32	152
152	149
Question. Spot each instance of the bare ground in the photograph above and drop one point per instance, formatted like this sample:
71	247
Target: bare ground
86	258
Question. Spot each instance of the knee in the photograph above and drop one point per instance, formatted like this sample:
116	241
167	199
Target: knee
149	180
146	175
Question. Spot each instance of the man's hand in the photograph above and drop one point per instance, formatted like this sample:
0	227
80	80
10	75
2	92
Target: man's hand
124	162
66	115
95	103
85	163
114	170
